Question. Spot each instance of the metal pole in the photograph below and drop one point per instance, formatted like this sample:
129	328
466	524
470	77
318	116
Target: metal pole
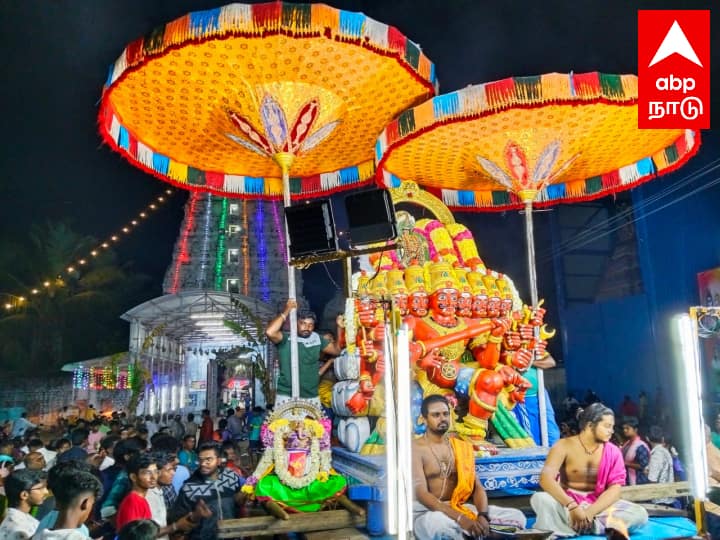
285	160
532	275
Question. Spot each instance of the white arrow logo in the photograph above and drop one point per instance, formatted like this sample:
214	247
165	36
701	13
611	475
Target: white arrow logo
675	41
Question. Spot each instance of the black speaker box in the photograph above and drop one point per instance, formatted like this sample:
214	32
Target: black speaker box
371	217
311	228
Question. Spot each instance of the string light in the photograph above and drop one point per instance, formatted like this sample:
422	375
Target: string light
220	254
183	256
280	229
205	245
99	378
245	250
261	250
72	267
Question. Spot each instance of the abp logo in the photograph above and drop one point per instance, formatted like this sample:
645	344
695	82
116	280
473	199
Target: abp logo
674	69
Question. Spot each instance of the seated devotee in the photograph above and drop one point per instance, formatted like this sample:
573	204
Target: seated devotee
24	490
636	452
581	481
660	468
450	501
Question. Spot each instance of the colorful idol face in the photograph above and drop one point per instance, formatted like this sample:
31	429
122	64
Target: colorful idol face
419	304
444	302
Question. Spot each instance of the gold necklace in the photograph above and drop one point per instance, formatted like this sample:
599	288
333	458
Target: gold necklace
588	452
445	467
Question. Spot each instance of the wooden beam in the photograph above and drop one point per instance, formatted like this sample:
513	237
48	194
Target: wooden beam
647	492
303	522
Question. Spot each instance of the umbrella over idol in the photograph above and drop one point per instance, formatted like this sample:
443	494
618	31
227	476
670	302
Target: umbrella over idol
234	100
530	141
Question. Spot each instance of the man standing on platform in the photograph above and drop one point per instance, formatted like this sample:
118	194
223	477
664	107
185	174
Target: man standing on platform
310	345
450	501
581	481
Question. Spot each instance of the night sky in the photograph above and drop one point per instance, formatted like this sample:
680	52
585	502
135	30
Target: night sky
55	56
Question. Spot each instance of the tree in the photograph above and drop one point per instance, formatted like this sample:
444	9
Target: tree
74	315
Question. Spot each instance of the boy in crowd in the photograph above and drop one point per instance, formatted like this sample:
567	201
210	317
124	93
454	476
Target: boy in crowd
23	489
75	491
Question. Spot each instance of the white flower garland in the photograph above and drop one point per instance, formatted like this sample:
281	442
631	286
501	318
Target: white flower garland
281	460
276	457
350	326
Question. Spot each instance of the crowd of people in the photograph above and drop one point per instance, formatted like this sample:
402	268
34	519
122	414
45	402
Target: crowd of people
146	477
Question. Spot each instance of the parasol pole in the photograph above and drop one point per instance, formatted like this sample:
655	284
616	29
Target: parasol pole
528	196
285	160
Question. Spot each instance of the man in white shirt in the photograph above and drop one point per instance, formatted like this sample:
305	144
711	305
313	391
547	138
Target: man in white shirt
23	489
660	467
36	445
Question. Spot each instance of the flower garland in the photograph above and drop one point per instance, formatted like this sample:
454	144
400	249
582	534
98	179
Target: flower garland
275	455
350	327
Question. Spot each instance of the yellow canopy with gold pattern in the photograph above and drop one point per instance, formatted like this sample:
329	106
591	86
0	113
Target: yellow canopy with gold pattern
551	138
208	101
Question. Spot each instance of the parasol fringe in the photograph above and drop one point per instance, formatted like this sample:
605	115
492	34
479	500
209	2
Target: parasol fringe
144	154
629	84
351	24
204	23
123	139
555	84
376	32
447	106
178	171
297	17
325	16
238	16
115	129
396	40
176	31
160	163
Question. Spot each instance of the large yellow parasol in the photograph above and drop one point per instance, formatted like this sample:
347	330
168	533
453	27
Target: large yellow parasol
234	99
530	141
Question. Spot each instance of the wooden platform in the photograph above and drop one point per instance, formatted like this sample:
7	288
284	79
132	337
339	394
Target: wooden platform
328	520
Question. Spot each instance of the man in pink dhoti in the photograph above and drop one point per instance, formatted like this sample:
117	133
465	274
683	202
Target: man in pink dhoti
581	481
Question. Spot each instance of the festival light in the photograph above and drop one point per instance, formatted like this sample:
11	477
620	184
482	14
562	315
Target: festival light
205	242
183	256
279	227
261	250
208	315
220	253
245	250
71	268
688	374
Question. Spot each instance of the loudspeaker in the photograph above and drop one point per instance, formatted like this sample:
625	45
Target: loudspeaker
371	217
311	228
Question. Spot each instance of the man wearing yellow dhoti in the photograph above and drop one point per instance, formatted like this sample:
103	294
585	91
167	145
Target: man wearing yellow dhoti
450	501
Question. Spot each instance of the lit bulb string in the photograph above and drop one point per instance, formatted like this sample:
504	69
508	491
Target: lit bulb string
84	262
261	250
183	255
204	246
245	250
99	378
220	252
279	229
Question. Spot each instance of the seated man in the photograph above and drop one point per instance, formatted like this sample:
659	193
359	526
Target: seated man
445	483
581	480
